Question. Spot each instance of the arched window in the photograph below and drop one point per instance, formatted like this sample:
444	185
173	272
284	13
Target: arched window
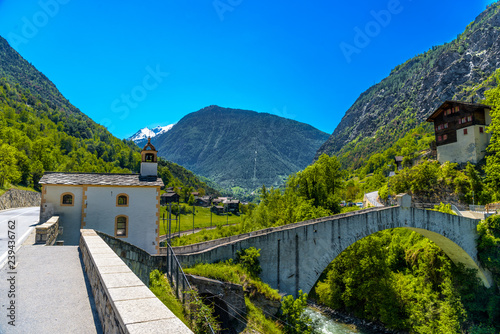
121	226
122	200
67	199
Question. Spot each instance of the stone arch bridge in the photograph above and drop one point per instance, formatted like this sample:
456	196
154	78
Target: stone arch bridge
294	256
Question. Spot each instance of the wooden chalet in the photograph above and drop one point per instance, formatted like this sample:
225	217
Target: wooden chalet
217	209
169	197
460	131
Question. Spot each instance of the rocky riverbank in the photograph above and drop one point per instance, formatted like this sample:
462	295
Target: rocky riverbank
353	322
15	198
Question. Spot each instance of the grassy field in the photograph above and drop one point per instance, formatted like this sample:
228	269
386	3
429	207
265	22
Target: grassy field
201	219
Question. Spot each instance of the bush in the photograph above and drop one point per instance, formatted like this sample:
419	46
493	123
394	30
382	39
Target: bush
444	208
249	259
296	322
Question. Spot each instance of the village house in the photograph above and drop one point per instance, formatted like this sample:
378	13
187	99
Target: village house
217	209
232	206
460	130
219	200
204	201
398	160
126	206
169	197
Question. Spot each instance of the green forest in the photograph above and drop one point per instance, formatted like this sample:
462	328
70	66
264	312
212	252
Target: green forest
397	277
36	137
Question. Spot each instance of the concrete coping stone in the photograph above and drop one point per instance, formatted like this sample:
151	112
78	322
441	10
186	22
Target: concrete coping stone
114	269
137	308
129	293
48	224
141	310
112	280
159	326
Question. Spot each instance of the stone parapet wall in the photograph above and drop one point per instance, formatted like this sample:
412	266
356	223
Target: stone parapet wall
207	245
47	232
138	260
124	304
15	198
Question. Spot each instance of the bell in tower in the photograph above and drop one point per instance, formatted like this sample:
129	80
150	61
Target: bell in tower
149	162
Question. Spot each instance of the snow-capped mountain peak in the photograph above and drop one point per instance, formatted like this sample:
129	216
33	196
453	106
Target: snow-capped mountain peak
146	132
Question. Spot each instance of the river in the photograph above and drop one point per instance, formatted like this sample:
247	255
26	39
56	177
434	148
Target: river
326	325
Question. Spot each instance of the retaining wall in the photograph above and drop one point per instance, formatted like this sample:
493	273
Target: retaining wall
123	302
15	198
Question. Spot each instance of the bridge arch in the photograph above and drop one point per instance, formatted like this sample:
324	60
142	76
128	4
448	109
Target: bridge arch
294	256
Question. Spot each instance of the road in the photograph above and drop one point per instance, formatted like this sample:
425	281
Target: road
25	219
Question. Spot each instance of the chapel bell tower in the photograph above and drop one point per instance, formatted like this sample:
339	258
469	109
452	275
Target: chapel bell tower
149	161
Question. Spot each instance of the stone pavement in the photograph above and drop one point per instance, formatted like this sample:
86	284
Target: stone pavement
52	293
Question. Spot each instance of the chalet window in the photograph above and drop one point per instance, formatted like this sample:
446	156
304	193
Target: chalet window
440	138
457	109
446	125
465	131
451	111
122	200
481	129
459	121
121	226
445	137
67	199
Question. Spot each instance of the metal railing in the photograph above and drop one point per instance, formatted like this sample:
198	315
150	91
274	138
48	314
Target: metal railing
178	280
456	210
477	208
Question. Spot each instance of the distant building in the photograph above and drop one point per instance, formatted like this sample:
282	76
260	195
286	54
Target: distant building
232	206
217	201
204	201
169	197
217	209
460	130
125	206
398	160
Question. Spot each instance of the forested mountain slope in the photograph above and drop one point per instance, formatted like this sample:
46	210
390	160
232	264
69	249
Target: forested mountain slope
400	102
240	148
40	130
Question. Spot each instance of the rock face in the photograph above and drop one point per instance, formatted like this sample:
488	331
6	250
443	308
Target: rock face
230	296
413	90
15	198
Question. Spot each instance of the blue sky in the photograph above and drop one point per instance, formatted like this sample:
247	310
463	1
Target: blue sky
130	64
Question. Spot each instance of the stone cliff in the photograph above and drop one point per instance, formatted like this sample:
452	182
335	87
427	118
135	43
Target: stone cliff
15	198
413	90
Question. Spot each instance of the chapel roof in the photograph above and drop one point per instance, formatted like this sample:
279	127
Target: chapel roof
99	179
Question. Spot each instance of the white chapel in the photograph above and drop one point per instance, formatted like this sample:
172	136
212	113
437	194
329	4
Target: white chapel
126	206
